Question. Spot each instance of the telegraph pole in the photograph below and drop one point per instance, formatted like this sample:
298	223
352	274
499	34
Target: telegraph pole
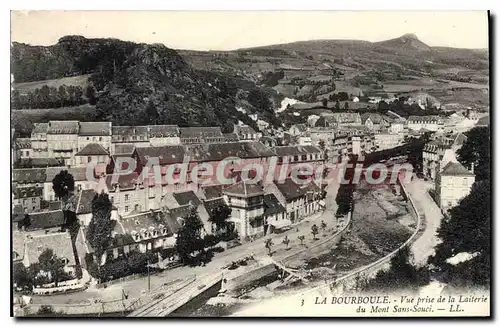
149	279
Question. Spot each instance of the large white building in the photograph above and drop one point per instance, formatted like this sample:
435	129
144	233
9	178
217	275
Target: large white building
453	181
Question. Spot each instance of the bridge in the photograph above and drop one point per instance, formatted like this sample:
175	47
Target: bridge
164	304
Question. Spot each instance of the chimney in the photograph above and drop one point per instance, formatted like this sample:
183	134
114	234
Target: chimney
472	168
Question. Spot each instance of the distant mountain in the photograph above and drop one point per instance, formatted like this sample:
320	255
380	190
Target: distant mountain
408	44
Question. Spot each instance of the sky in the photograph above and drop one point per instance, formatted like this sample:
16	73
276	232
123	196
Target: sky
229	30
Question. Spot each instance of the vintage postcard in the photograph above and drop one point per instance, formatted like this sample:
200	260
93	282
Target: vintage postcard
243	164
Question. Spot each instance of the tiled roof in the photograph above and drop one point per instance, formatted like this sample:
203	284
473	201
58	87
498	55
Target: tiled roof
40	162
28	192
272	205
125	182
23	143
242	189
124	148
92	149
185	198
290	189
214	203
129	130
28	175
425	119
212	192
46	219
199	132
231	137
63	127
148	221
168	154
220	151
51	172
293	150
59	243
455	169
84	203
345	117
95	129
40	128
163	131
375	118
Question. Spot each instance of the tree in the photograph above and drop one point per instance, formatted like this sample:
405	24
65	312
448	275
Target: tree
90	94
63	184
314	231
286	241
219	216
476	150
337	105
325	103
63	95
21	276
268	245
346	105
402	275
189	237
101	225
301	239
49	262
467	229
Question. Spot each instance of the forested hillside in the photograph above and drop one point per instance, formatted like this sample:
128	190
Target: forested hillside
133	83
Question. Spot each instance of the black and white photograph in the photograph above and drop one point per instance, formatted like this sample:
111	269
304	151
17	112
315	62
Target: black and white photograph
250	164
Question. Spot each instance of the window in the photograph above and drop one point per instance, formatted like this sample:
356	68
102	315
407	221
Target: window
126	197
33	200
126	208
295	158
89	159
111	199
100	138
464	181
88	138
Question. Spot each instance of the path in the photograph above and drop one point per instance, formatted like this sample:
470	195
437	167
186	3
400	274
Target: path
423	247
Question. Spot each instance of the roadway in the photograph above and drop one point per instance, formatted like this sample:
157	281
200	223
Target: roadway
423	247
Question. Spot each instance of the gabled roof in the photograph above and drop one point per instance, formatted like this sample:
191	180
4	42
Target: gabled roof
293	150
129	130
46	219
290	189
164	131
124	148
375	118
199	132
92	149
95	129
63	127
213	204
242	189
220	151
455	169
40	162
40	128
23	143
124	182
151	220
79	173
59	243
166	155
425	119
28	175
84	203
272	205
28	192
185	198
212	192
